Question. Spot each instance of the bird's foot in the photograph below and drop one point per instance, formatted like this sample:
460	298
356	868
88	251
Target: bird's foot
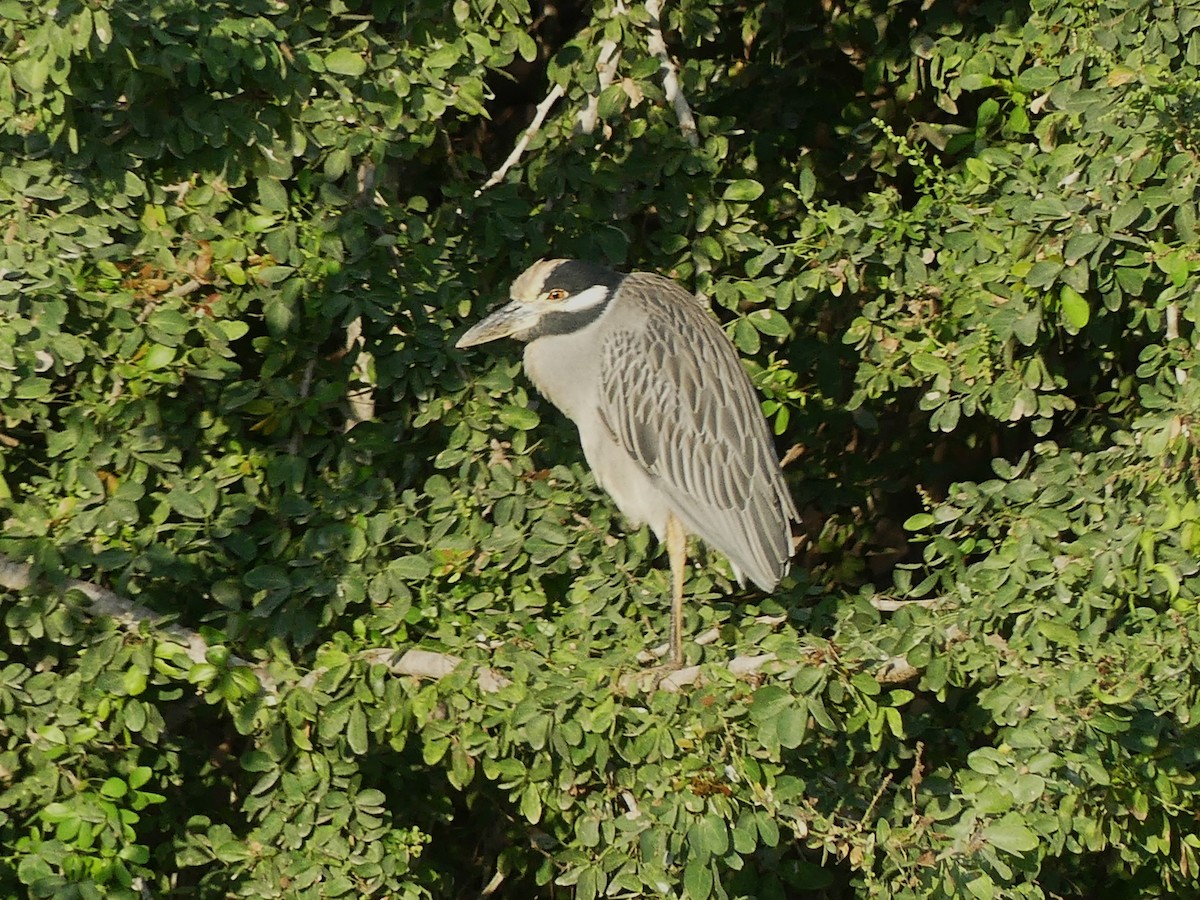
663	672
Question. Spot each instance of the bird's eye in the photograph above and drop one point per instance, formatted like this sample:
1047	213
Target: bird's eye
555	295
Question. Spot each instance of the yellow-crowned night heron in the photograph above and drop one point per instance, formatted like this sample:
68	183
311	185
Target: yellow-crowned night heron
669	421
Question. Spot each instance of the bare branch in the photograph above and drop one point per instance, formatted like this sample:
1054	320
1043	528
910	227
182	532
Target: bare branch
188	287
365	183
1181	374
361	400
670	75
15	576
412	662
606	68
432	665
539	116
883	604
305	386
896	670
749	665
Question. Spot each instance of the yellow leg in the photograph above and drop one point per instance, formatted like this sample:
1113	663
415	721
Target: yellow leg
677	554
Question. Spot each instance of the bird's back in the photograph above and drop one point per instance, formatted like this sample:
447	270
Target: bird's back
675	396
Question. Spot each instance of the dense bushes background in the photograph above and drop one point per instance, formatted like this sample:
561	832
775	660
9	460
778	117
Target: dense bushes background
957	245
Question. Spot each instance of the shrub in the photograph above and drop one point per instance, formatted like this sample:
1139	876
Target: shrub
302	602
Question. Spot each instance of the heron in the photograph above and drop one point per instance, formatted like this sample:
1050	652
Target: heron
669	421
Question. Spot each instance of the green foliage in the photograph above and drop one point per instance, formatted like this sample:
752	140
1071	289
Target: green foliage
956	243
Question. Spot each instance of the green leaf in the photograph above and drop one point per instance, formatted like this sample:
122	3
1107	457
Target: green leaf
272	274
1075	310
159	356
443	57
279	314
134	715
134	682
1080	245
114	788
791	726
1037	78
356	730
519	417
1128	212
346	62
411	568
769	701
710	835
1010	835
526	46
1043	273
918	522
33	869
697	879
744	190
268	577
257	761
979	169
531	804
745	337
1027	326
769	322
271	195
185	503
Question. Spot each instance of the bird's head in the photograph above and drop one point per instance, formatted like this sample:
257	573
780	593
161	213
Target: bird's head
553	296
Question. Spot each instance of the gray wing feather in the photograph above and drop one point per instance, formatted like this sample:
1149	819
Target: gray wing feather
675	395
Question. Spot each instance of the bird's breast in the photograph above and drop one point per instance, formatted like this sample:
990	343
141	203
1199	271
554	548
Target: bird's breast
566	371
564	368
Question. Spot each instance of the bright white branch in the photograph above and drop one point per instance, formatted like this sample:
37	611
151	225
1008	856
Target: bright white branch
543	109
361	400
606	68
432	665
670	75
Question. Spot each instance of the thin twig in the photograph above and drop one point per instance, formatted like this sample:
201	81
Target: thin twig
914	782
794	452
670	75
867	813
305	386
494	885
539	116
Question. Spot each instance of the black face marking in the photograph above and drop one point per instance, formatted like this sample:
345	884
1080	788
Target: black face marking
566	321
575	276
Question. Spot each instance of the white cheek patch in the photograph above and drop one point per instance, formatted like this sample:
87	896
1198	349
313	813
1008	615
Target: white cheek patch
589	299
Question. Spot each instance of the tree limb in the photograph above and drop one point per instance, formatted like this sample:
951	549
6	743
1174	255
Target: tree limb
606	68
412	662
886	604
539	116
130	615
670	75
361	399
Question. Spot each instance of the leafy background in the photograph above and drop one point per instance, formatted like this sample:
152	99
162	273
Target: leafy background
956	244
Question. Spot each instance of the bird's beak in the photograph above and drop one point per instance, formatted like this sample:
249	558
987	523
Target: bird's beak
507	320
